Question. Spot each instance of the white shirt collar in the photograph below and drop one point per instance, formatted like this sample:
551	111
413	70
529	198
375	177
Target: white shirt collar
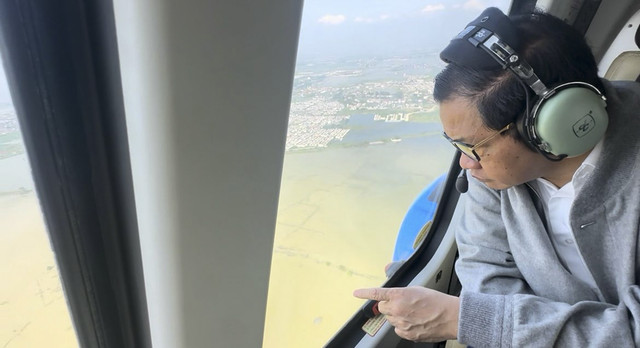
587	166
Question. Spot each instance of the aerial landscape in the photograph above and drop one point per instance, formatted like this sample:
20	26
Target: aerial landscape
364	139
32	301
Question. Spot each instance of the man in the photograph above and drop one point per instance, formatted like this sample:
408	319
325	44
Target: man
548	241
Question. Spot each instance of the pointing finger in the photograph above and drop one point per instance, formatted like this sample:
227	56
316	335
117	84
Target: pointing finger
377	294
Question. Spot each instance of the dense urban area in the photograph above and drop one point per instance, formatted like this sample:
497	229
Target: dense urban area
324	99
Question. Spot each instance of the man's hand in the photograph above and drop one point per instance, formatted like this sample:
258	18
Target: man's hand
417	313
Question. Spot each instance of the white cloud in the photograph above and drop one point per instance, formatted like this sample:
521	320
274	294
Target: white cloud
433	8
332	19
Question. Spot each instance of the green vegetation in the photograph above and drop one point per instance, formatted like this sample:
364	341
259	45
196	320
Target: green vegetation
414	116
9	137
427	116
11	145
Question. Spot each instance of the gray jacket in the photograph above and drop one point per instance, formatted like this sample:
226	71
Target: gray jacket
516	292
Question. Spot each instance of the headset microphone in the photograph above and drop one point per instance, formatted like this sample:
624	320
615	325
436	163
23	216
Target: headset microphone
462	184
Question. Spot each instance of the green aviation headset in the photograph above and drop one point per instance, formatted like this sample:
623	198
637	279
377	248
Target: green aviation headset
565	121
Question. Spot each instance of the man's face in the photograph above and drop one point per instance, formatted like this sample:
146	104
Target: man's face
504	161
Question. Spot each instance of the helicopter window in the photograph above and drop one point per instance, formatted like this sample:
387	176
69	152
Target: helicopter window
363	142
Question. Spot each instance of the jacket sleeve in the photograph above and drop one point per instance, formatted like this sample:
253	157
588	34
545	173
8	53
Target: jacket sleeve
488	320
499	309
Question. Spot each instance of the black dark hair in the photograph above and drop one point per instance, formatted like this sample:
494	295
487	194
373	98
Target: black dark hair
557	52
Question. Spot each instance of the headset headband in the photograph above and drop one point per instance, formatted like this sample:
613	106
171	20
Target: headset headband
480	34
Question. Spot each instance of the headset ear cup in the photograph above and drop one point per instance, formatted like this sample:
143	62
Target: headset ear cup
570	121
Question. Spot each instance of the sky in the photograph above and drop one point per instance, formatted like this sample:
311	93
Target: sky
355	28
